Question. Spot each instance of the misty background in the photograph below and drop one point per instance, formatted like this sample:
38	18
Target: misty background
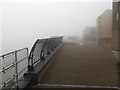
22	22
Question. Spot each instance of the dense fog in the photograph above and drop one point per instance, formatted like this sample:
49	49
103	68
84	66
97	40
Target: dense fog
24	21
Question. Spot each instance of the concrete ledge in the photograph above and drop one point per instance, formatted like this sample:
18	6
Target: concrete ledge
34	75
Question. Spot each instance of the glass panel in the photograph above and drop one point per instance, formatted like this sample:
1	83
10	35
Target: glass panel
37	51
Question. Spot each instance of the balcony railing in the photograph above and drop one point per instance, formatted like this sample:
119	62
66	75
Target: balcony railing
13	66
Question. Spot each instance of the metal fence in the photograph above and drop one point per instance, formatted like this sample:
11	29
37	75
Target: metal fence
41	49
13	66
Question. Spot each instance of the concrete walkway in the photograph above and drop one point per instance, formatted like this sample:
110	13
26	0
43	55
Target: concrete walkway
82	64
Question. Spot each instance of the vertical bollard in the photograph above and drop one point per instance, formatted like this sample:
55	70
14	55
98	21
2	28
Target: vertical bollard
16	69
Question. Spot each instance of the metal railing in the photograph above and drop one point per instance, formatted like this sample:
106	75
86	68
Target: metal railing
13	66
41	49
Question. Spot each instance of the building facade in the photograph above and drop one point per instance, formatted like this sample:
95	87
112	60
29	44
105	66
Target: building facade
104	29
116	26
90	34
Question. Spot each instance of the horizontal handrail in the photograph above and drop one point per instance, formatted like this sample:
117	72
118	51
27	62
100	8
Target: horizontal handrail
2	56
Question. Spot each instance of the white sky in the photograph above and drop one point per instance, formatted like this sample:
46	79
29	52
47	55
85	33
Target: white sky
57	0
23	21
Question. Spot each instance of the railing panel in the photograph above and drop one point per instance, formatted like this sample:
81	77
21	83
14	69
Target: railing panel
22	54
8	74
0	63
0	81
41	49
45	49
0	72
49	48
14	65
21	66
8	60
37	51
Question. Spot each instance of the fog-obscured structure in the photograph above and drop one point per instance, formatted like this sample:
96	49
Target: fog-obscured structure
24	21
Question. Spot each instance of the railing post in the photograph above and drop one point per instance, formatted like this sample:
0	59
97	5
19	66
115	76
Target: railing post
30	67
16	69
30	60
42	55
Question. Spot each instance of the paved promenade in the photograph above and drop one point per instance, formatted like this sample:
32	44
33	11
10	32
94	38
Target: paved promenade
82	64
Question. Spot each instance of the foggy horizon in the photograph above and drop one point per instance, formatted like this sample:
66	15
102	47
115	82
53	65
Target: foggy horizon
24	22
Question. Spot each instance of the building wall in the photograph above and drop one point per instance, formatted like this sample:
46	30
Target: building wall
89	34
104	29
115	40
119	37
116	26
